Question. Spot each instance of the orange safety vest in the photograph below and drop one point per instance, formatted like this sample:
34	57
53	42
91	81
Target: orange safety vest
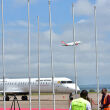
104	102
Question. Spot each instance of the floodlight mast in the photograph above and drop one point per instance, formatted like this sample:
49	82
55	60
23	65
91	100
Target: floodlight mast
38	60
29	57
75	72
51	56
97	76
3	64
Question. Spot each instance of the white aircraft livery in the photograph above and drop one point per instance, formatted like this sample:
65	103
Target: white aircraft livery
71	43
21	86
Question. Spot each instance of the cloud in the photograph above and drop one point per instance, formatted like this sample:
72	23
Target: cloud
103	3
83	7
82	21
19	24
17	54
16	49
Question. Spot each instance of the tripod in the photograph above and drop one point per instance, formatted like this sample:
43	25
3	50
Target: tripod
13	102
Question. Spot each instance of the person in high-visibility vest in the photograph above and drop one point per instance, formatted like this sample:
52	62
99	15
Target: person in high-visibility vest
81	103
105	101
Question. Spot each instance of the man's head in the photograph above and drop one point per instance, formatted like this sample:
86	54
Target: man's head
84	94
104	91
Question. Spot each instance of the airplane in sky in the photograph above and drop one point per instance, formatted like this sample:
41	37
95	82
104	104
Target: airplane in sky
21	86
71	43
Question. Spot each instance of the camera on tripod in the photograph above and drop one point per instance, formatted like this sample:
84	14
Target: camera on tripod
13	105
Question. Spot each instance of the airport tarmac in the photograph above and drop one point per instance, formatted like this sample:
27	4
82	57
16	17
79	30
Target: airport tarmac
46	101
62	101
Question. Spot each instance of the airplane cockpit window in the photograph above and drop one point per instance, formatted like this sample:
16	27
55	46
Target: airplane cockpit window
64	82
69	82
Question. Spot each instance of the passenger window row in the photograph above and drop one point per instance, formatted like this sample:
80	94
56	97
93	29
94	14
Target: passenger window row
24	83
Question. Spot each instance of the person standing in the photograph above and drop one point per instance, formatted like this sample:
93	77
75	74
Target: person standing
81	103
70	98
105	101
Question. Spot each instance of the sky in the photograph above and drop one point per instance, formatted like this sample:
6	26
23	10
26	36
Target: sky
16	39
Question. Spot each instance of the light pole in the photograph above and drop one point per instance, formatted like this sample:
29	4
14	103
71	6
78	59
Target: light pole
97	77
75	72
38	61
53	75
29	57
3	64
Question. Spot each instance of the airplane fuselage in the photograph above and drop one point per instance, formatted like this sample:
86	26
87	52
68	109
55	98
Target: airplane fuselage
20	86
71	43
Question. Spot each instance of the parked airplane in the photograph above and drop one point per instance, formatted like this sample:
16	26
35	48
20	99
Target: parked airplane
21	86
71	43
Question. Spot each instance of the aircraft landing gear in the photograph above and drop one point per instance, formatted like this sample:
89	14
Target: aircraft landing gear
6	98
24	98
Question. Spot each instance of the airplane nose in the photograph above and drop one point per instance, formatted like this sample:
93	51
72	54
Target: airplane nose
72	87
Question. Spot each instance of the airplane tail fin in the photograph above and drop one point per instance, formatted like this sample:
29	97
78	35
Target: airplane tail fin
77	43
